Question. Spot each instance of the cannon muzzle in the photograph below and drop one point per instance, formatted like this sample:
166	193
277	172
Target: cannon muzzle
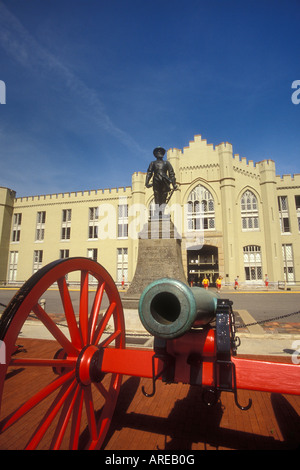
168	308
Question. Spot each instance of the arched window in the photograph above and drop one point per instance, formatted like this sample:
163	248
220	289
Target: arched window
200	209
152	209
249	211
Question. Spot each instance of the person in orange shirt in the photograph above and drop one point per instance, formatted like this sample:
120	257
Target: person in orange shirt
205	283
219	283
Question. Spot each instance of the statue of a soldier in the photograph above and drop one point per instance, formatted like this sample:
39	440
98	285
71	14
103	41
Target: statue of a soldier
163	176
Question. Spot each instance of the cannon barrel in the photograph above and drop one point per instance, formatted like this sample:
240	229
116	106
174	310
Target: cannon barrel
168	308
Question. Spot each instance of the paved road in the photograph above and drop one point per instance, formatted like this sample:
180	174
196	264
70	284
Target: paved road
52	297
263	306
260	305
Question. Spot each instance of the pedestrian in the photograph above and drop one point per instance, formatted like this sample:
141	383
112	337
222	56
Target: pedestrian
205	283
266	281
236	283
219	283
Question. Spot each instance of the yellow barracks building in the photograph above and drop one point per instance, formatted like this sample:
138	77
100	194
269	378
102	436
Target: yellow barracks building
234	218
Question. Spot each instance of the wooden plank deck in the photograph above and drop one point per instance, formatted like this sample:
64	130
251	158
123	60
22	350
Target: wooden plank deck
174	419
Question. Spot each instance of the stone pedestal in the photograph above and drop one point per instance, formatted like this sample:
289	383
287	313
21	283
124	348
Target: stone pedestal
159	255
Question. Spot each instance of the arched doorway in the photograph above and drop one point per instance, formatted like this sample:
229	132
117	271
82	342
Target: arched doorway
202	262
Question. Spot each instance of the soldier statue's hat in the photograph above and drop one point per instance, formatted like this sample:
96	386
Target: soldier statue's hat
158	149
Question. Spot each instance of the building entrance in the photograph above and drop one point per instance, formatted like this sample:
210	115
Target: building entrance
201	263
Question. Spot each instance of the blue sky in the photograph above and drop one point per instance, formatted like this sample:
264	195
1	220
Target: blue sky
93	86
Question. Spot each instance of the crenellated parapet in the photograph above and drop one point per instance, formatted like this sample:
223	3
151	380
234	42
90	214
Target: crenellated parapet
74	197
244	167
198	153
288	181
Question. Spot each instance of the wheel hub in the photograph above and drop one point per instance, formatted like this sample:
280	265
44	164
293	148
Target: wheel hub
88	366
60	354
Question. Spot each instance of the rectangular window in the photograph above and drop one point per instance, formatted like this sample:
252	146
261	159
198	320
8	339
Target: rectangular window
297	202
123	221
40	226
41	217
16	229
93	213
93	231
122	264
64	254
283	214
92	253
93	222
252	262
250	223
65	233
66	224
200	216
66	215
12	266
288	262
37	260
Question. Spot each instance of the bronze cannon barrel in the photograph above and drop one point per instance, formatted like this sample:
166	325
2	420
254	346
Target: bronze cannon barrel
168	308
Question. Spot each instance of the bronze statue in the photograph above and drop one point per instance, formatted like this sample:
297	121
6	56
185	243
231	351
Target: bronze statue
163	176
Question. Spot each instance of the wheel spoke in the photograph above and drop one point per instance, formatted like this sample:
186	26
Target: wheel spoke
64	419
69	363
102	325
54	330
90	411
69	312
110	339
35	400
50	414
102	390
96	309
83	308
107	412
76	420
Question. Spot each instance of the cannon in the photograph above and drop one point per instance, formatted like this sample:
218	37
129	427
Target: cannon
168	308
180	319
194	342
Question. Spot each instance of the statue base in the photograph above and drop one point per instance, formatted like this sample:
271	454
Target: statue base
159	255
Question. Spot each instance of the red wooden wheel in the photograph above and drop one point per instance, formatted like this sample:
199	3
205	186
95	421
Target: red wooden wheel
75	403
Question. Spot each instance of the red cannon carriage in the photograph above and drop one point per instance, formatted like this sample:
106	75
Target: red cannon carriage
194	343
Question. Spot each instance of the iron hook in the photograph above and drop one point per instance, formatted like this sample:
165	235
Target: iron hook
153	389
154	377
244	408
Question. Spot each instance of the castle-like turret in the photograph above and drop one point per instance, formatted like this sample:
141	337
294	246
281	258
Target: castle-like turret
7	197
270	217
